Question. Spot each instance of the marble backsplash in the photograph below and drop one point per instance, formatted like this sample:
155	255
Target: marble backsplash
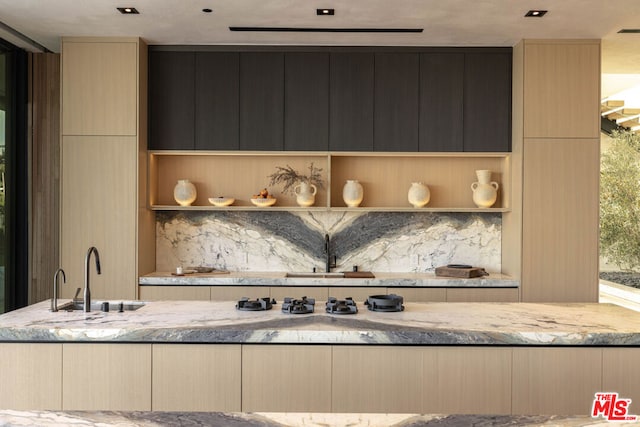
294	241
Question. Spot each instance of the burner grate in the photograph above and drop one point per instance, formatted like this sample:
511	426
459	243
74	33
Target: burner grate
260	304
343	306
298	306
388	303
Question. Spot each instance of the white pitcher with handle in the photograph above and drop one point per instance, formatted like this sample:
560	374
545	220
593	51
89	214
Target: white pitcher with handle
485	191
305	194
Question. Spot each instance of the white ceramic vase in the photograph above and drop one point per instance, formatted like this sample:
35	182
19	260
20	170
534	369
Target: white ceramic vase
185	192
485	191
418	195
352	193
305	194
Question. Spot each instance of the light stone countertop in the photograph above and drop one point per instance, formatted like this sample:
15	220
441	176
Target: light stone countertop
419	324
270	278
157	419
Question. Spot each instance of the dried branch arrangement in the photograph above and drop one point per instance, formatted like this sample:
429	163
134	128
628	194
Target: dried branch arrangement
289	177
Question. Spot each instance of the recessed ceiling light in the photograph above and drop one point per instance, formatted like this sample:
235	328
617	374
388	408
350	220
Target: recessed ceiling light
535	13
128	10
207	10
325	11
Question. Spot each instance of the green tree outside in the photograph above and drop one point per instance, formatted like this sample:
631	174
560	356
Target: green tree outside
620	201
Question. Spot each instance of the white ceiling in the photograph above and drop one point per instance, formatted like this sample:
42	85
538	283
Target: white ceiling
445	23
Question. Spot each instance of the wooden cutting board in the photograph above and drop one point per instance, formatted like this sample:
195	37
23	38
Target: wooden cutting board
359	275
467	272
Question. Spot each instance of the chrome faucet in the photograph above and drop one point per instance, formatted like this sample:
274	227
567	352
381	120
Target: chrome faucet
87	290
327	252
54	300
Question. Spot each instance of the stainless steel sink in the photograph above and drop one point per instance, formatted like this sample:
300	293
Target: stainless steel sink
315	275
98	305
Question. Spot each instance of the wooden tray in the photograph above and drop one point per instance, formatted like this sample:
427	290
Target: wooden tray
359	275
467	272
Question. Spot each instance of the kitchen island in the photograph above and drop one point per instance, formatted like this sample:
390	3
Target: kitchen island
492	358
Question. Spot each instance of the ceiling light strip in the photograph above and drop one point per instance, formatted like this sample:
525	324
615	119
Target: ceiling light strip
327	30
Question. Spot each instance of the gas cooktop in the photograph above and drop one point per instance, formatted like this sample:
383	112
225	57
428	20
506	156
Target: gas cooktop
298	306
341	306
260	304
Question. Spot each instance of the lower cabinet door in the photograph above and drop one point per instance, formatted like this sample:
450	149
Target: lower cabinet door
286	378
621	374
30	376
106	377
394	379
560	381
377	379
196	377
178	292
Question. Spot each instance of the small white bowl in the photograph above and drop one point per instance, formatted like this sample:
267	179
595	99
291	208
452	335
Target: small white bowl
263	203
221	201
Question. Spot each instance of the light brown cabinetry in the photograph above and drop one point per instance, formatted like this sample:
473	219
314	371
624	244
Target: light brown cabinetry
286	378
106	377
561	381
197	377
103	197
556	117
320	293
421	379
344	378
98	205
100	86
31	375
386	178
483	294
164	293
377	379
560	228
616	375
471	380
562	89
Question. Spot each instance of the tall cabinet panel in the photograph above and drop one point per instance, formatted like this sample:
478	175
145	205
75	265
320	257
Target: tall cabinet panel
441	97
102	97
562	89
171	93
261	100
306	105
102	196
98	201
560	172
351	102
217	101
487	102
396	102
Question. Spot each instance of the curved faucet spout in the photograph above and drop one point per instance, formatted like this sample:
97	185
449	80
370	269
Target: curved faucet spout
327	251
87	288
54	300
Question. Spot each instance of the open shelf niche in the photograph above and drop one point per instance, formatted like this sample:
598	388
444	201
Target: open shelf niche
385	177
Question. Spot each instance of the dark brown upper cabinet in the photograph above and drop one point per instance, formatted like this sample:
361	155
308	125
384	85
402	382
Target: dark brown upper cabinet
306	101
396	102
441	101
262	101
217	101
351	101
337	99
171	94
487	101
